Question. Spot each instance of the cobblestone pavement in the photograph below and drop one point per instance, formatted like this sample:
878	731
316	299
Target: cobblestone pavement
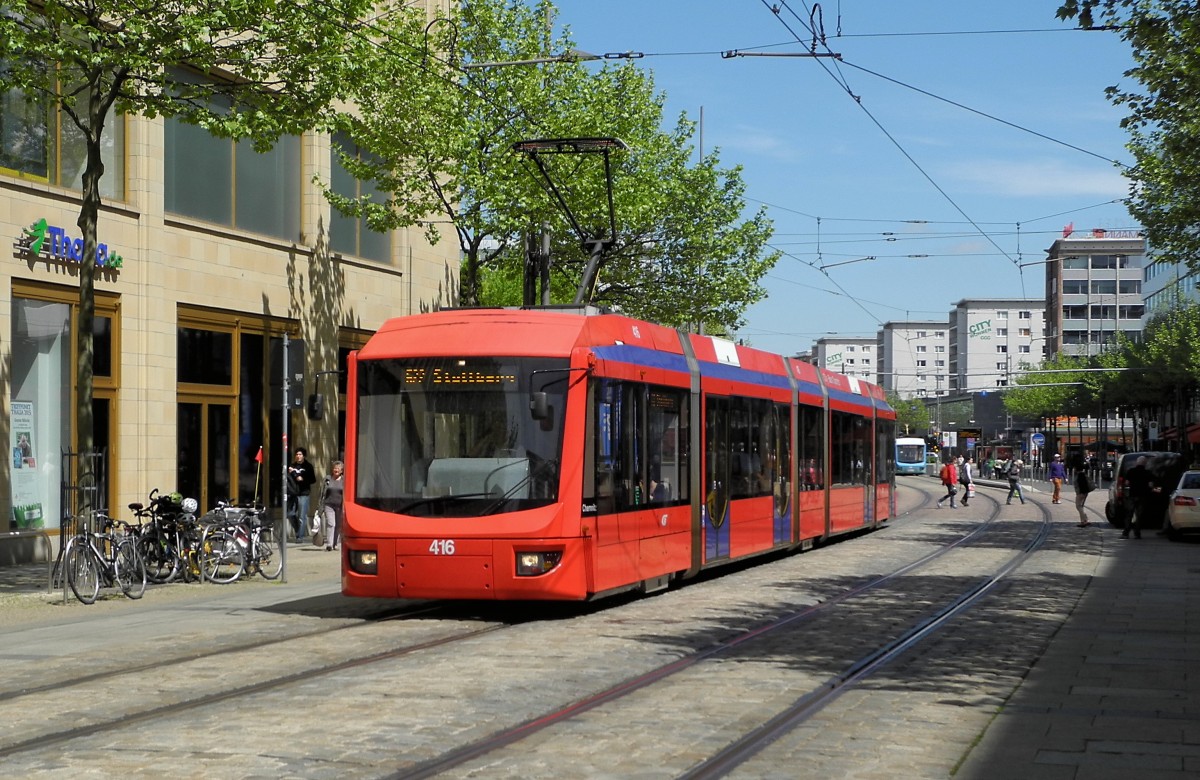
1077	670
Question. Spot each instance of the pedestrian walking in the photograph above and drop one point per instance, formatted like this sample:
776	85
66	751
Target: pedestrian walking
1058	475
966	478
1140	484
331	504
1014	480
1083	486
949	475
300	478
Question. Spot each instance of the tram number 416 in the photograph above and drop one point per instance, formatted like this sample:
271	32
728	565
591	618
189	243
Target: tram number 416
442	547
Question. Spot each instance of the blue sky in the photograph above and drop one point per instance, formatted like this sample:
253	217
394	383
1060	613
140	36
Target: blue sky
978	197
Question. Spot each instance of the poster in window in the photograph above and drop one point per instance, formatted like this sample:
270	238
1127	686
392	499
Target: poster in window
26	486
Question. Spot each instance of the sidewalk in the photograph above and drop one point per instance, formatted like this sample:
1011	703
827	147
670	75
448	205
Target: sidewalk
1115	693
24	598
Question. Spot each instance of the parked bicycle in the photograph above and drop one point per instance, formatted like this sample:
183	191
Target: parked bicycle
239	540
104	558
168	536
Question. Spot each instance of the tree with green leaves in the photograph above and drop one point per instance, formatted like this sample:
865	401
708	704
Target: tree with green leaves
495	77
1052	390
261	69
911	415
1164	134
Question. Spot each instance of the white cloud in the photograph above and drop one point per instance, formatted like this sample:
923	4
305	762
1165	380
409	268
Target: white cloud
1040	178
746	139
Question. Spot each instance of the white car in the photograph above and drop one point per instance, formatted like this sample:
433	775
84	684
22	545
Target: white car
1183	510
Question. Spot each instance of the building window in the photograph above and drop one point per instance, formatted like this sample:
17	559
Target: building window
921	348
1001	366
1001	331
42	381
850	348
226	182
1025	315
939	348
351	235
921	363
1024	348
1001	348
1001	315
40	143
920	334
939	363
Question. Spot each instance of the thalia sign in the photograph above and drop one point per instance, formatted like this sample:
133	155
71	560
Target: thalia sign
44	240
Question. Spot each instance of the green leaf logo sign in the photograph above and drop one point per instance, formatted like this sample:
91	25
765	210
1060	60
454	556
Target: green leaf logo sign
34	236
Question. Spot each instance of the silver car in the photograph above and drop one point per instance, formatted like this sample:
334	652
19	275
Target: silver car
1183	510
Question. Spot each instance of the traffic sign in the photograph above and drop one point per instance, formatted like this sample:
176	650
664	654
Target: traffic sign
1038	439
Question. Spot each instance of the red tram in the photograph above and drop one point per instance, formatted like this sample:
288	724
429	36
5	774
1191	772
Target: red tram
552	454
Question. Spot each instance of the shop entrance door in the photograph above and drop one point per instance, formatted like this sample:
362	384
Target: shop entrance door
205	451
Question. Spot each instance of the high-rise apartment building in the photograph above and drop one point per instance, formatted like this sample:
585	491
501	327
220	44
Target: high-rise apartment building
993	338
1094	290
913	360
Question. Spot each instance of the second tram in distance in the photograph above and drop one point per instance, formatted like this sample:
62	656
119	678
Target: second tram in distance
549	454
910	455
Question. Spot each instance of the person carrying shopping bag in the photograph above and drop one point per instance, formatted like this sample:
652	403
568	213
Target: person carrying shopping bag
966	478
331	504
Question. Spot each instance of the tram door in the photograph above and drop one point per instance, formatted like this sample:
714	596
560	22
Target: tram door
204	458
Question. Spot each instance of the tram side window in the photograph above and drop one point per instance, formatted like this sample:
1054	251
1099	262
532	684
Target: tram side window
774	441
641	439
810	459
850	449
885	450
667	441
717	449
743	460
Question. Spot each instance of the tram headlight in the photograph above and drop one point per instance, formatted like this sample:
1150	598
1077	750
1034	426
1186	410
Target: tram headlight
364	561
531	564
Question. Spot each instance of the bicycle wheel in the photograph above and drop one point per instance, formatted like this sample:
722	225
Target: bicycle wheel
221	557
159	556
269	561
83	572
129	568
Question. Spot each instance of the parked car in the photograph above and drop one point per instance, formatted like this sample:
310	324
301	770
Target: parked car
1165	469
1183	508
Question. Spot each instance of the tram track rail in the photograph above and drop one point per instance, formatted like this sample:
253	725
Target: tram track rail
465	753
807	705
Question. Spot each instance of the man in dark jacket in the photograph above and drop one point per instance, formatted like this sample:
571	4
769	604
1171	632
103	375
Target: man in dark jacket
1138	486
300	479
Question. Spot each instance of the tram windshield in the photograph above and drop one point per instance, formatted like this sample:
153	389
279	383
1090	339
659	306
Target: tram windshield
459	437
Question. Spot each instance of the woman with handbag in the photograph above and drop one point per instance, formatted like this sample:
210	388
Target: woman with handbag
1083	486
966	478
331	499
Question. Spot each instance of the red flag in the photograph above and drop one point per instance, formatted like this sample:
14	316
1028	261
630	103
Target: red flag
258	457
1068	229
